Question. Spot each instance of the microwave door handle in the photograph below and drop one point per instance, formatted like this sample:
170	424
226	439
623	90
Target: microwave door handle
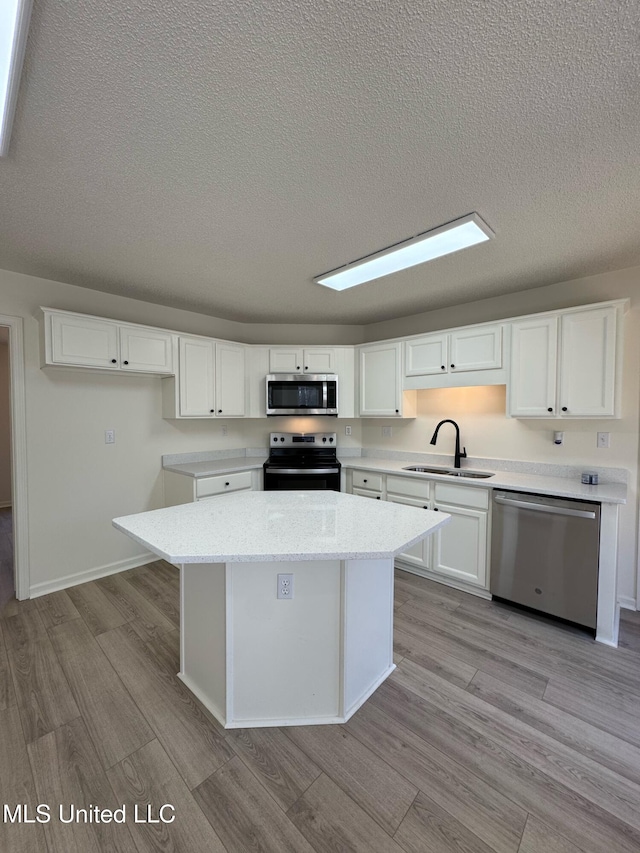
324	394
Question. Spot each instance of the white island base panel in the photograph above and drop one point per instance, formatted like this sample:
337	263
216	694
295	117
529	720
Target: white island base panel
255	660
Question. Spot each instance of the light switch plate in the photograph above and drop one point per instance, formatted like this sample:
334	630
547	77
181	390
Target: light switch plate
109	436
604	439
387	432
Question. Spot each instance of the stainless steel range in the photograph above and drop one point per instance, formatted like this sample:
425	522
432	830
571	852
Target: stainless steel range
301	461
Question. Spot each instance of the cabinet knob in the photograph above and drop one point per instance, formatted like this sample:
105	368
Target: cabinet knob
425	507
365	481
453	365
564	408
435	509
377	497
442	367
212	410
549	409
226	484
219	411
306	367
126	362
397	410
297	367
113	361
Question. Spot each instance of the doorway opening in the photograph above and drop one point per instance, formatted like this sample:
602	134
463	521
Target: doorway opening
7	571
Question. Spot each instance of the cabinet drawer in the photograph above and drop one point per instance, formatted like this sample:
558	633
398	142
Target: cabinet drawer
367	493
367	480
410	486
224	483
461	495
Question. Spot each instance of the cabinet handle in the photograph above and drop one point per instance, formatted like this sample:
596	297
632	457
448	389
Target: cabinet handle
549	409
564	408
306	367
442	367
435	509
397	410
226	484
126	362
365	481
113	361
425	507
297	367
212	410
378	497
453	365
219	411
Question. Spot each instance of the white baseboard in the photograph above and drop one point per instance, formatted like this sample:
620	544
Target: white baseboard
46	587
5	504
627	602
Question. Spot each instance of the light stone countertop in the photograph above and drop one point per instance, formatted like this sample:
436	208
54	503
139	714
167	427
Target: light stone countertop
270	526
217	466
560	487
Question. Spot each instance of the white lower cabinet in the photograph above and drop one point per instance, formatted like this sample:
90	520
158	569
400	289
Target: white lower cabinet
456	554
183	489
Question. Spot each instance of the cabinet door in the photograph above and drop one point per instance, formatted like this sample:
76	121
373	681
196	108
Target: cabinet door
380	389
428	355
476	348
588	363
196	378
532	379
84	342
146	350
230	380
460	547
320	360
419	554
285	360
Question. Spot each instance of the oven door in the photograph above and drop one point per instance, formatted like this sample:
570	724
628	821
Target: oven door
278	479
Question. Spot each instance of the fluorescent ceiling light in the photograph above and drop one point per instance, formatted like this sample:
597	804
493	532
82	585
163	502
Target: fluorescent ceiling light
452	237
14	24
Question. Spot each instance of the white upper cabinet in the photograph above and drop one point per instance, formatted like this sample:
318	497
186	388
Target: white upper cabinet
588	363
299	360
564	365
427	355
211	380
532	381
230	380
380	383
476	348
196	378
83	341
467	356
146	350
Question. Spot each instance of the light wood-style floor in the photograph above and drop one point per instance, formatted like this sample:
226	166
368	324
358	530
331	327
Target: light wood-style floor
497	732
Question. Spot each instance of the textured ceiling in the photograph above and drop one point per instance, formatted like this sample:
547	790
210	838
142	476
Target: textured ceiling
215	156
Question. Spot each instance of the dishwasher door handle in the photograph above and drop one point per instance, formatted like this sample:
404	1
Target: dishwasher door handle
548	508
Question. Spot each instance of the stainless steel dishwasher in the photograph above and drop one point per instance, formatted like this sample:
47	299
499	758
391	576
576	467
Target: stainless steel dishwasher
544	554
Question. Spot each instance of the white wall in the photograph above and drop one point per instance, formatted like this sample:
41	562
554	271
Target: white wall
5	427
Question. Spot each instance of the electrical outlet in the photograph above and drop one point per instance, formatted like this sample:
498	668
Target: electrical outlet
109	436
224	429
387	432
347	430
285	586
604	439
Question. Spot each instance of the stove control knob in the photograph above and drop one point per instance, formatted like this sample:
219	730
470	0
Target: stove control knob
330	440
324	438
276	438
281	438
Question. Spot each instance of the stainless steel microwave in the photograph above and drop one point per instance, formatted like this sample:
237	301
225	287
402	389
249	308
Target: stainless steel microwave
302	394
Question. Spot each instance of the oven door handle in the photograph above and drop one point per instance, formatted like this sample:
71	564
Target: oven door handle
302	470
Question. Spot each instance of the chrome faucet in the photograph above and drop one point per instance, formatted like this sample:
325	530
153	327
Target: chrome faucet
460	454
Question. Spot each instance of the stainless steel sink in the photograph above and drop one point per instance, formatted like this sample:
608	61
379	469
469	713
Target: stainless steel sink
472	475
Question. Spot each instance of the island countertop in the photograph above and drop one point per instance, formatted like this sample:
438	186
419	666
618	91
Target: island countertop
288	526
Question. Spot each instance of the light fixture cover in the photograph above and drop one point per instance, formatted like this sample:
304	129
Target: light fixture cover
14	25
456	235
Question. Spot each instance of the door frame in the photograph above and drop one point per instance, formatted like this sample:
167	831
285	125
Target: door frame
20	507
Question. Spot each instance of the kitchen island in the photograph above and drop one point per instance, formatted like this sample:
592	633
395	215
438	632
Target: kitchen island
318	652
